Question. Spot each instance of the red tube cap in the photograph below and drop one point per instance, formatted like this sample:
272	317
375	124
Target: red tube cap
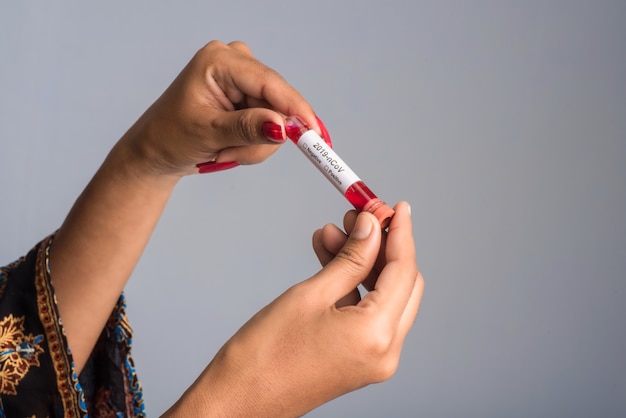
381	211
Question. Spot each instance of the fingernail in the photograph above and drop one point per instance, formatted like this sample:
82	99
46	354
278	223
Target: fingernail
273	131
408	205
325	134
363	227
212	166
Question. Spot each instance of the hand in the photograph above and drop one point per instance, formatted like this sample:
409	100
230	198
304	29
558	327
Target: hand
304	349
327	243
224	107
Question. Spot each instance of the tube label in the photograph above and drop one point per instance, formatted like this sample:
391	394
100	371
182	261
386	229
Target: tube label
327	161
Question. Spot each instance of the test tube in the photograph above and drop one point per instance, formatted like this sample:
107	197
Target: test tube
336	170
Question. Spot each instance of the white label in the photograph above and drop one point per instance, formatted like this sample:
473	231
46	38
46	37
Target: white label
327	161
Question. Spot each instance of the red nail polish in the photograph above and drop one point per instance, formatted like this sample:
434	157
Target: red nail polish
212	166
273	131
325	134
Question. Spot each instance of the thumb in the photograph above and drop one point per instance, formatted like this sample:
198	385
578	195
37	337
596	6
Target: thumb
353	262
250	127
249	136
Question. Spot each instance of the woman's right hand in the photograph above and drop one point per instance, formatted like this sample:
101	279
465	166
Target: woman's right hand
304	349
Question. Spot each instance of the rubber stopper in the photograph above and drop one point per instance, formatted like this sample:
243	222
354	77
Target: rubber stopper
381	211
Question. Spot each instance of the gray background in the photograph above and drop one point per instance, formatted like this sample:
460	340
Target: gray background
502	123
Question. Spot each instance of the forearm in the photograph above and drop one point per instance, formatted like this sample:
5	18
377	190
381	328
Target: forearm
101	240
224	392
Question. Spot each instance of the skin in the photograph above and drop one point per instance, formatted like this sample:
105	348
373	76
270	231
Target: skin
313	343
304	348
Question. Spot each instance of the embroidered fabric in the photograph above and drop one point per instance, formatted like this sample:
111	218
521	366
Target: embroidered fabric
37	376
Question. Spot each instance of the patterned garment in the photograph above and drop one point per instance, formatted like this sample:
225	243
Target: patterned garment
37	377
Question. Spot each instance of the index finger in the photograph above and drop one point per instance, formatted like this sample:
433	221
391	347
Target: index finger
238	72
397	279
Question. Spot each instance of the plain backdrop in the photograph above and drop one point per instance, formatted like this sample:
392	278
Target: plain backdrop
503	124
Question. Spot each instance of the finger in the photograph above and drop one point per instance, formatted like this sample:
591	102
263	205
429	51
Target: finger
323	255
333	238
412	308
238	75
248	136
348	220
241	47
400	245
252	154
249	127
381	261
348	223
353	262
251	102
318	247
396	281
327	242
408	318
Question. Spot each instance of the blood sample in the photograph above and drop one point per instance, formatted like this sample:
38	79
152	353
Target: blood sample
336	170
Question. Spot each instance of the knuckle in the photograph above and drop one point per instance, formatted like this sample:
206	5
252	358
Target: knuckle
236	131
268	72
379	344
244	129
385	369
274	82
240	46
213	46
377	353
212	54
355	261
301	297
237	44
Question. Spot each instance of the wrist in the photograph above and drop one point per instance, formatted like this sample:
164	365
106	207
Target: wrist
136	158
224	389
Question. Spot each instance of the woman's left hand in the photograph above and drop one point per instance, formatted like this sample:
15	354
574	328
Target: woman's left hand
225	108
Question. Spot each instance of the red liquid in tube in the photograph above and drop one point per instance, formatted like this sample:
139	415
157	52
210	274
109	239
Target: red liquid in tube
336	170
